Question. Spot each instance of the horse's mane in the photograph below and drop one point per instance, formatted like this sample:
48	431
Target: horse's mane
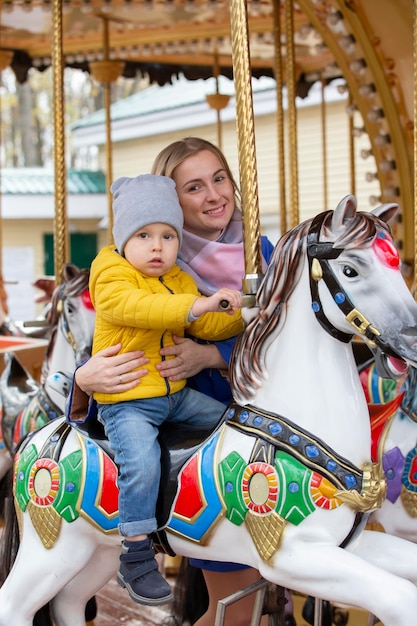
247	366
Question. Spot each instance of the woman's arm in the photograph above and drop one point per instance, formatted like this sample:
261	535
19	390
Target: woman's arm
107	372
110	372
189	359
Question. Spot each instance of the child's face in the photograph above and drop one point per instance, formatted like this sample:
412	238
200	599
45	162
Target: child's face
153	249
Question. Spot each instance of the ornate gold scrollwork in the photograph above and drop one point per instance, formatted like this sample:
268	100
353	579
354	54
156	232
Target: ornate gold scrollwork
374	489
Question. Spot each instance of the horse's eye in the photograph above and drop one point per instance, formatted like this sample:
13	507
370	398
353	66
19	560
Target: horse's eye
349	272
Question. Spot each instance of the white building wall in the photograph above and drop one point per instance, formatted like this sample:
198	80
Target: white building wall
135	156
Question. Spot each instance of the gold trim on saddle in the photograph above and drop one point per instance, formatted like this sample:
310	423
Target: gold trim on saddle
363	489
47	523
374	489
266	532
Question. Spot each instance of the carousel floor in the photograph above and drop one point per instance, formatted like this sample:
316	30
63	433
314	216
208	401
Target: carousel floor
114	607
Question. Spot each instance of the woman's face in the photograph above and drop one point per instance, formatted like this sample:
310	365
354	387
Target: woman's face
205	193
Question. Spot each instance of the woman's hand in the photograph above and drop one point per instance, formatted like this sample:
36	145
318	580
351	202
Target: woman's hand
189	359
110	372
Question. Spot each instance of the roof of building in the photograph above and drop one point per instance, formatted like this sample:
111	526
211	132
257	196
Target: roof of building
40	181
181	93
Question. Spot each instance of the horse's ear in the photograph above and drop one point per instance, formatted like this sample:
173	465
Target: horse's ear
345	210
70	271
386	212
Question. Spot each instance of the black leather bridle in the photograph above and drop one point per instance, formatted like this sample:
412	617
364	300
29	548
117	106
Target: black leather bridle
319	254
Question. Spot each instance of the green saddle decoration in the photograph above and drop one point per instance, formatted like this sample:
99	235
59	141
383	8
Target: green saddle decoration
68	488
294	502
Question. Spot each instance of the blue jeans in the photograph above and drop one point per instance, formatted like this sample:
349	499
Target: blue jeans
132	428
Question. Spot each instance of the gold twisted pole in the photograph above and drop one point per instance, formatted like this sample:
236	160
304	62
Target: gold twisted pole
415	141
246	145
109	156
351	139
106	72
324	143
292	113
61	237
280	117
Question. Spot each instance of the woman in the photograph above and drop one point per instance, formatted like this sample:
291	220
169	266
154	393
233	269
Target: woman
212	252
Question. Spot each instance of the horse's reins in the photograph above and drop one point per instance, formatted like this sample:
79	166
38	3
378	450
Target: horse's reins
319	254
64	323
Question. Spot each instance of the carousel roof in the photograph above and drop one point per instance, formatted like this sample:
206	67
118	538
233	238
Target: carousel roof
162	38
368	44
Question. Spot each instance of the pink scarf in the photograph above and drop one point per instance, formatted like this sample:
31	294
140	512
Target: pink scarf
215	264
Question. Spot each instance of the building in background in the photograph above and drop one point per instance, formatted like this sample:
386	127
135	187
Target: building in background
28	227
144	123
141	126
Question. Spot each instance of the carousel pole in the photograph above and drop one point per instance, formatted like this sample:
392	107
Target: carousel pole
292	113
415	142
246	146
217	101
107	72
351	140
280	117
324	143
61	237
5	59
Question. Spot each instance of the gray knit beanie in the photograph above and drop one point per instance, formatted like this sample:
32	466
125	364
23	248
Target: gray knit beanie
144	200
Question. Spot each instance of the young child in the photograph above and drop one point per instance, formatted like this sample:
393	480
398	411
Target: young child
142	298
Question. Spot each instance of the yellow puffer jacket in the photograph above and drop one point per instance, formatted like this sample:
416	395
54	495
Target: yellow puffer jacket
142	313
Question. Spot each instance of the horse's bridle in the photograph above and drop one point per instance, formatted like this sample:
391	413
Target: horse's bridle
65	324
319	254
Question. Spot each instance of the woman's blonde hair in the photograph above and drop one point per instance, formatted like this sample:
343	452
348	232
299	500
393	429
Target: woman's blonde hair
177	152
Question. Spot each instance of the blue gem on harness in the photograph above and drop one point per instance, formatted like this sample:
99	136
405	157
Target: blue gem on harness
312	452
293	487
70	487
230	413
274	428
257	420
229	487
294	439
339	297
243	416
331	465
350	481
315	306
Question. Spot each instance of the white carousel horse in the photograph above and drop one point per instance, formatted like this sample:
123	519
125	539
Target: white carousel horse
394	427
26	404
281	482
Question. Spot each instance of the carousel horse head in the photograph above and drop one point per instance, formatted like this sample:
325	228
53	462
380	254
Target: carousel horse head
70	322
356	288
71	319
285	481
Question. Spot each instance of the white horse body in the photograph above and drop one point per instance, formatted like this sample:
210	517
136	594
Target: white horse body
71	328
315	387
397	449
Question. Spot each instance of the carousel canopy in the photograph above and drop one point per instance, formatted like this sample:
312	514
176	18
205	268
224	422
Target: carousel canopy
368	44
162	38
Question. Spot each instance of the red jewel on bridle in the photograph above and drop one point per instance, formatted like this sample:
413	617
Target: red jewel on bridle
86	298
385	250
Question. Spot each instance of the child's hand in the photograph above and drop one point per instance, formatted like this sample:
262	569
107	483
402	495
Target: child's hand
215	303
